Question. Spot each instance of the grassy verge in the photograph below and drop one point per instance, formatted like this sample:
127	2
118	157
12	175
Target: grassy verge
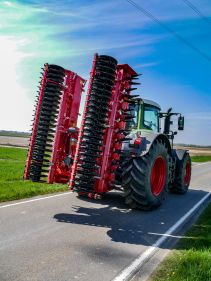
201	158
191	260
12	162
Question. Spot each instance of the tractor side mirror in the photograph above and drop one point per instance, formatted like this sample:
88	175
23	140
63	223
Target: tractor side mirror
181	122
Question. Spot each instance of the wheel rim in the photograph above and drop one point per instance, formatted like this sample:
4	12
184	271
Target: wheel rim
158	176
187	174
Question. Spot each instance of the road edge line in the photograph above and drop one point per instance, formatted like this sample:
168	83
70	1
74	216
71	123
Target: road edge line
35	199
133	268
200	164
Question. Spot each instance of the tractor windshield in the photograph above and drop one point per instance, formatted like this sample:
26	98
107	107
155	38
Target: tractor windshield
151	118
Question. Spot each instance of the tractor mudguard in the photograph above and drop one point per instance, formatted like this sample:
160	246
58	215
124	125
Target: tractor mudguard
146	141
149	140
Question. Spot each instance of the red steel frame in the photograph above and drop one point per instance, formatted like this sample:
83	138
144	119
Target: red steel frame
65	142
112	139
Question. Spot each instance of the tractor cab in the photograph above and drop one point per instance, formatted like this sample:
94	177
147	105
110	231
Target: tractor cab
145	116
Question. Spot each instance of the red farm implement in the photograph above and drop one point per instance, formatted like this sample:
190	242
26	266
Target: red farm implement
54	132
103	128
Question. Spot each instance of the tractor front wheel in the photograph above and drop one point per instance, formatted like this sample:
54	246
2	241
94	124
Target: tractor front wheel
145	179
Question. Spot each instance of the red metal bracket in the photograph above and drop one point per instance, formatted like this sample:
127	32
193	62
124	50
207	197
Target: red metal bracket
65	141
112	142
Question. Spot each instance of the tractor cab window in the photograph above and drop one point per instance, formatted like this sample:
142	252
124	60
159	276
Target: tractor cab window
134	110
151	118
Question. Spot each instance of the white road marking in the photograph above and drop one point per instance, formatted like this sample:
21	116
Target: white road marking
36	199
200	164
129	271
168	235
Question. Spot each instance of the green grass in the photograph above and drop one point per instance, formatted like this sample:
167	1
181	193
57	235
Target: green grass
10	153
201	158
191	260
12	186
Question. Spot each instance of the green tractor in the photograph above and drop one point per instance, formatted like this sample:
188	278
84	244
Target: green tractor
155	166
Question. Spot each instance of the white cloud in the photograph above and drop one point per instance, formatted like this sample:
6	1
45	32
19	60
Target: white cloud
8	3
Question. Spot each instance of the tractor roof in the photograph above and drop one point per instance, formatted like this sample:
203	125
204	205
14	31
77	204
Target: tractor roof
150	102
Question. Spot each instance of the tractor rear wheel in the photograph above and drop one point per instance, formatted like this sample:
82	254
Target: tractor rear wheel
145	179
182	175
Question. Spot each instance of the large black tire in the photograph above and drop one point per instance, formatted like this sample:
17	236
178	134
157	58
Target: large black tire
145	179
182	175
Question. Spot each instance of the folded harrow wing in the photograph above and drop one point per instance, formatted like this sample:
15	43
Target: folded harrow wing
54	132
104	125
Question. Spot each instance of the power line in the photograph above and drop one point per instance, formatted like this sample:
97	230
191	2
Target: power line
196	10
167	28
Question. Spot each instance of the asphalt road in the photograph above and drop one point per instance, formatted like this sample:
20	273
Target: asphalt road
65	238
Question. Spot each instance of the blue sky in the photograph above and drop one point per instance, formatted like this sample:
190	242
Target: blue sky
69	32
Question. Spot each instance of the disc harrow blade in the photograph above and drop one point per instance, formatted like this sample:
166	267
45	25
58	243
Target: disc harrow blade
45	131
95	122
